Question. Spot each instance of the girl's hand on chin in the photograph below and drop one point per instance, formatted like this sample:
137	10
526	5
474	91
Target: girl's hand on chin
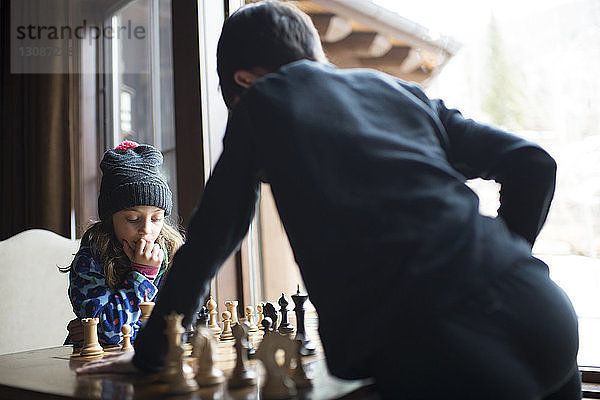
144	253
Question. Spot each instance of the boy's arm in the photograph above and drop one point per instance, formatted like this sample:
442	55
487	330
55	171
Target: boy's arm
91	297
217	228
526	172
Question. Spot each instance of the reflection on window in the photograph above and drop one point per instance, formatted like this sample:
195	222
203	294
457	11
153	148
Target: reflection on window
126	121
138	75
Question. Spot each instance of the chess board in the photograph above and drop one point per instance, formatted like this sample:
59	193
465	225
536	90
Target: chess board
225	355
50	374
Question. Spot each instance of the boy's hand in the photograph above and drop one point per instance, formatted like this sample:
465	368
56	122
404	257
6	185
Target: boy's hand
144	253
119	363
75	329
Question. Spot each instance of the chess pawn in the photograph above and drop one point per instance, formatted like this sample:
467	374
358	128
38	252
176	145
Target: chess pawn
270	311
284	327
227	334
259	316
126	330
266	323
146	308
277	383
231	306
213	325
91	346
201	322
203	354
202	317
176	372
241	376
308	348
249	314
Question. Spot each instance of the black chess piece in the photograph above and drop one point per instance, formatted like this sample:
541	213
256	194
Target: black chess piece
202	317
307	347
284	327
270	311
201	321
267	322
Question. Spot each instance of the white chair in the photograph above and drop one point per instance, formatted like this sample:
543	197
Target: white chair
34	304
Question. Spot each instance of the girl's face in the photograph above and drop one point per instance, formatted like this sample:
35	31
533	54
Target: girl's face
140	222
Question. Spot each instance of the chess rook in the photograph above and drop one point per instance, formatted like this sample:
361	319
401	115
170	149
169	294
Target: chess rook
91	346
231	306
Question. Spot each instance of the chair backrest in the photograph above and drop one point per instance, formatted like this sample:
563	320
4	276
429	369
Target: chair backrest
34	305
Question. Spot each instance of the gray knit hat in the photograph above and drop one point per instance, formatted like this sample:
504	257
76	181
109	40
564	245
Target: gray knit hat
131	177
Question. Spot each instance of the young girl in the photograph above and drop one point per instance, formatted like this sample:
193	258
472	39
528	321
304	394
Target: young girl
124	256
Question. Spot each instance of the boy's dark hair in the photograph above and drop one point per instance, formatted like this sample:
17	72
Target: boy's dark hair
266	34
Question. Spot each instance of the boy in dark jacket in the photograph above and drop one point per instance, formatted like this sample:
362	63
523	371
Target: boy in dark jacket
368	175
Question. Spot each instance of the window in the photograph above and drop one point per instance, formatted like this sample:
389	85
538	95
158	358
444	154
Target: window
525	66
241	276
138	81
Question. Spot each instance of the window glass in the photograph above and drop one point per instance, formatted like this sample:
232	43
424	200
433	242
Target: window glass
526	67
138	72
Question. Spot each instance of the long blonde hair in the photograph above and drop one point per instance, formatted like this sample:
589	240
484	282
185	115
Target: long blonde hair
115	262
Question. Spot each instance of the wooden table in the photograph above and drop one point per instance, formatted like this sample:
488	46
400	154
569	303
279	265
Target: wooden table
50	374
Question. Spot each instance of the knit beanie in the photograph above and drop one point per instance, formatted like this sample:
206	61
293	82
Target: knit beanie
131	177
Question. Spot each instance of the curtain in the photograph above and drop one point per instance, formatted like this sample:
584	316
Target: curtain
35	144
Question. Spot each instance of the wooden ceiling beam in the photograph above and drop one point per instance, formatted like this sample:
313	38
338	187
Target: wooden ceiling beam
351	42
393	58
331	28
360	44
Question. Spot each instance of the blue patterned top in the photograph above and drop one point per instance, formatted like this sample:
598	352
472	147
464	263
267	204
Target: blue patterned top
92	298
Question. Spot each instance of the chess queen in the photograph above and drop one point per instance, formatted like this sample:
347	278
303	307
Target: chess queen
124	256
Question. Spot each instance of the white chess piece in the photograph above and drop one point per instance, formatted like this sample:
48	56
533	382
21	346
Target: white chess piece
213	325
227	334
177	372
231	306
91	346
146	308
126	330
203	354
249	318
293	363
278	384
259	316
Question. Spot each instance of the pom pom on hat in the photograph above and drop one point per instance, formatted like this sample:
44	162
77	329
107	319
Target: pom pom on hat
126	144
131	177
